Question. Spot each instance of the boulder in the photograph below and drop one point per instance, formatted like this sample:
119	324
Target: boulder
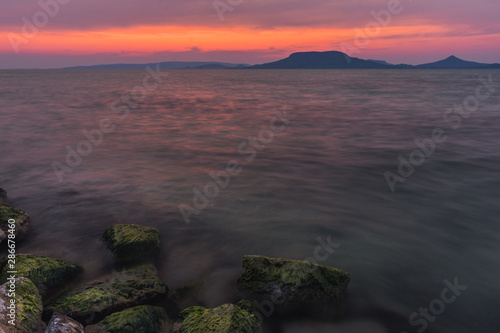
132	243
3	197
285	281
139	319
28	307
223	319
22	221
2	235
59	323
112	293
48	274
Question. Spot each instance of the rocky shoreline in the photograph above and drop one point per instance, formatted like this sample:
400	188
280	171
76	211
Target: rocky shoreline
49	300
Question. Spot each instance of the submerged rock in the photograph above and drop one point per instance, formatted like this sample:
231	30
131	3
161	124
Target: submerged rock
26	314
59	323
115	292
285	281
225	318
22	220
132	243
48	274
139	319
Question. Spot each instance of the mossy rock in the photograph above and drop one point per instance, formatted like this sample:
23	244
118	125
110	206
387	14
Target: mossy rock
225	318
112	293
48	274
3	197
139	319
132	243
22	220
285	281
60	323
28	307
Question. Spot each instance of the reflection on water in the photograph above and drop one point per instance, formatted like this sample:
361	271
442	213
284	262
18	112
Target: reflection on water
322	175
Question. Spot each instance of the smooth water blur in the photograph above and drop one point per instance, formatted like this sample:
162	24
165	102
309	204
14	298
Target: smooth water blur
323	175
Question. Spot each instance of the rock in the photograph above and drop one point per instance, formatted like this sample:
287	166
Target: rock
359	325
286	281
22	221
3	197
59	323
48	274
140	319
112	293
225	318
2	235
132	243
28	307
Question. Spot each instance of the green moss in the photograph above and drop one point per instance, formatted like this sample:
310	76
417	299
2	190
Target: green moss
294	279
30	309
191	310
139	319
48	274
225	318
247	306
7	213
87	300
3	196
132	242
113	293
28	305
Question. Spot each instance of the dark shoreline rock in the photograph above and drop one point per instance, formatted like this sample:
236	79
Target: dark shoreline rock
227	318
112	293
3	197
22	221
60	323
48	274
142	318
28	308
132	243
290	282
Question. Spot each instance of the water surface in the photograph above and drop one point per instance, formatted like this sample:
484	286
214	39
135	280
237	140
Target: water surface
323	175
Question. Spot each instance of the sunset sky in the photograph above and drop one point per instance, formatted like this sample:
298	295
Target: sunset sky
87	32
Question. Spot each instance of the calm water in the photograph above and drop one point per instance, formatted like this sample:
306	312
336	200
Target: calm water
322	175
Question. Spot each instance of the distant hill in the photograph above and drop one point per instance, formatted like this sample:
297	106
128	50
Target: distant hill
339	60
383	62
166	65
452	62
321	60
217	66
307	60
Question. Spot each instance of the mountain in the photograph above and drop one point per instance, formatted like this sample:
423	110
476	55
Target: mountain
307	60
322	60
383	62
452	63
166	65
216	66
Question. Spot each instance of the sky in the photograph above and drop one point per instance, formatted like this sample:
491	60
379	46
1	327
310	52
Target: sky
59	33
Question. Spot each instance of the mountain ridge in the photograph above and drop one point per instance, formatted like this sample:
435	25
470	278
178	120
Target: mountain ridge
307	60
339	60
166	65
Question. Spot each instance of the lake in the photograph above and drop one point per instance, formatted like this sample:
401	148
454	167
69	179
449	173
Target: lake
386	164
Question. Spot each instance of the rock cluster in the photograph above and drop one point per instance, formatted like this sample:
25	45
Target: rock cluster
126	300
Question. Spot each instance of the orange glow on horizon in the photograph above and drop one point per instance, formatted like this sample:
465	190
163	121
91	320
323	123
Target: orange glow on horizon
151	39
